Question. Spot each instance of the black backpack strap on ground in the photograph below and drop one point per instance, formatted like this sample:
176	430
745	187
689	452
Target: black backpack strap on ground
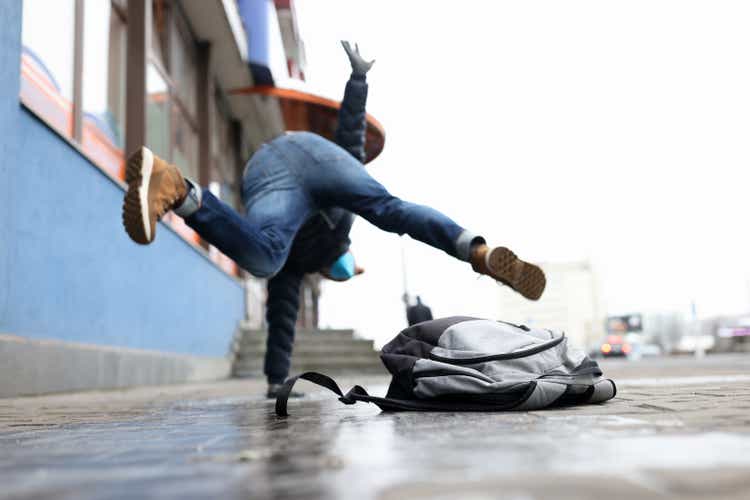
356	393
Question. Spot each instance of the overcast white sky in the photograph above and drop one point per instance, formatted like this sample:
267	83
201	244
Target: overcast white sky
612	131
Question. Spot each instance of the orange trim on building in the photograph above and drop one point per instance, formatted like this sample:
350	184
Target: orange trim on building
306	111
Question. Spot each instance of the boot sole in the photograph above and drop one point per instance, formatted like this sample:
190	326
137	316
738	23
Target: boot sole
523	277
135	208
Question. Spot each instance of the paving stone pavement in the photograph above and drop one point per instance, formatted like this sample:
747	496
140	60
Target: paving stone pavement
678	428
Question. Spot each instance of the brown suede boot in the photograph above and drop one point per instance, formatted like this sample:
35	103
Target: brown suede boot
154	187
503	265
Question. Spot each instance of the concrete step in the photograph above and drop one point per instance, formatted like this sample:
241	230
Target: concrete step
332	349
332	372
305	334
317	360
256	364
254	368
314	357
245	328
248	368
328	351
304	337
308	342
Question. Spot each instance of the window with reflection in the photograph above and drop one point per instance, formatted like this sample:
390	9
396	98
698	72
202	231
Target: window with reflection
158	130
182	63
47	61
171	82
224	152
185	143
54	72
103	84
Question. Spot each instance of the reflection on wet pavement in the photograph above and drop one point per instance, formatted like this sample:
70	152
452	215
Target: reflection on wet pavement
237	448
677	428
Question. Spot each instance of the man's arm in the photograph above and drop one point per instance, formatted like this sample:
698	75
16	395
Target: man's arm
352	123
281	315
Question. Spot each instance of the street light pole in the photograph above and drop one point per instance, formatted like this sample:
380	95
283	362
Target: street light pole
405	296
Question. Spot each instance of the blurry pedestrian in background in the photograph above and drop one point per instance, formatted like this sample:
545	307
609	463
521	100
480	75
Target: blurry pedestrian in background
418	312
300	192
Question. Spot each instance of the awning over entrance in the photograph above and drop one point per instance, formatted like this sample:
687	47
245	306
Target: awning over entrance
305	111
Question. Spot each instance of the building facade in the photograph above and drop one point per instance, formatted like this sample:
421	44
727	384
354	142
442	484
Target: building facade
82	83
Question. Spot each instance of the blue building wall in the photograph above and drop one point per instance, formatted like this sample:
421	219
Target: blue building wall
68	271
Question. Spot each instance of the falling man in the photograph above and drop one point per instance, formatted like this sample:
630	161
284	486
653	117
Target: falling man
300	193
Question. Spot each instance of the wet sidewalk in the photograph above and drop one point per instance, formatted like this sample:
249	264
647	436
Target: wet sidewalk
677	428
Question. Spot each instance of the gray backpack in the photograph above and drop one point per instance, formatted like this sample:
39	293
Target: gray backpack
469	364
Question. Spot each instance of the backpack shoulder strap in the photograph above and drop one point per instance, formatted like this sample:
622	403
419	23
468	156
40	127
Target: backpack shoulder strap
356	393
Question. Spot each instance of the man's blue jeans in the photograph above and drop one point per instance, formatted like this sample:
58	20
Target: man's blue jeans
292	178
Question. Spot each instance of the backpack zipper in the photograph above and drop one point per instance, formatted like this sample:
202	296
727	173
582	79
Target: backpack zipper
498	357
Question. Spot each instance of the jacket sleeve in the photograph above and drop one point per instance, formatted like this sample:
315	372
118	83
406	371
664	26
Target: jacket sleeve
282	307
352	123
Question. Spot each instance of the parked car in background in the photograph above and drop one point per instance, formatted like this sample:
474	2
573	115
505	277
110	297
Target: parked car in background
630	346
614	346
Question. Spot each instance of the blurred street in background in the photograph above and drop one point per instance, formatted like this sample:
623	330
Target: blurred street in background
678	428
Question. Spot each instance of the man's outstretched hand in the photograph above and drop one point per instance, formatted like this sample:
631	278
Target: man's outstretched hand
360	67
